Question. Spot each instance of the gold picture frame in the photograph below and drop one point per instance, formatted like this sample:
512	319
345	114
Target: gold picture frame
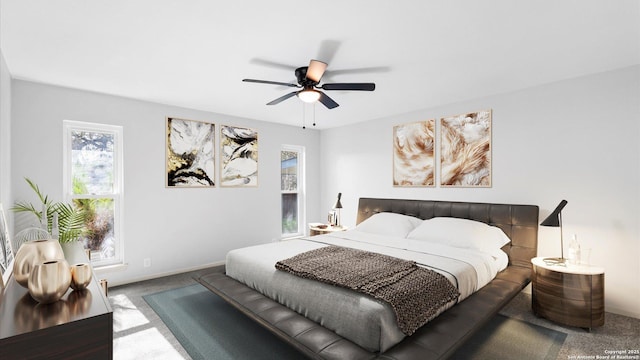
414	161
190	153
238	156
465	150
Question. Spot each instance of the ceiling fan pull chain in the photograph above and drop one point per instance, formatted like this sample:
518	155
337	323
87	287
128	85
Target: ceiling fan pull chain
314	114
304	117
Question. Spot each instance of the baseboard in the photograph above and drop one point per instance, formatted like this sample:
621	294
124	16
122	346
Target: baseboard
614	310
169	273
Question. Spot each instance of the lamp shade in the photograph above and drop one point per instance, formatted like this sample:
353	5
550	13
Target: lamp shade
338	204
554	218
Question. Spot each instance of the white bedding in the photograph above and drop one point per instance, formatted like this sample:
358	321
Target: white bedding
360	318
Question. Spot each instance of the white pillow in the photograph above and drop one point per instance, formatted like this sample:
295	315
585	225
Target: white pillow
461	233
391	224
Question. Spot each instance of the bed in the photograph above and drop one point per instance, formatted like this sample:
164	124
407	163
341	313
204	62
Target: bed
438	338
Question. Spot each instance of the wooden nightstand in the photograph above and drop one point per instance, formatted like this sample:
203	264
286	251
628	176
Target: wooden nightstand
571	295
321	229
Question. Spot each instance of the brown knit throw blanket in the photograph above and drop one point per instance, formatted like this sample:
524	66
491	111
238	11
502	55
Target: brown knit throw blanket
416	294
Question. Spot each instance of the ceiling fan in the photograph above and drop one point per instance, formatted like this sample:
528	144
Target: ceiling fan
308	78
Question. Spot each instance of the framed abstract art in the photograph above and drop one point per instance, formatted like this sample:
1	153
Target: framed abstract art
413	154
238	156
190	153
6	250
465	150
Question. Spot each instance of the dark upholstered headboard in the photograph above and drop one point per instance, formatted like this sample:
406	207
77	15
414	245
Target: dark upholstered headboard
519	222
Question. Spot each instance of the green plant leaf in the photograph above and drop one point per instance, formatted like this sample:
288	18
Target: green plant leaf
71	220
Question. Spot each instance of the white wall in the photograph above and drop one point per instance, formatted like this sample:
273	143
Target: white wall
576	140
5	141
178	229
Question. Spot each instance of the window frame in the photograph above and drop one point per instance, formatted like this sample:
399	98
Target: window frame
118	182
300	174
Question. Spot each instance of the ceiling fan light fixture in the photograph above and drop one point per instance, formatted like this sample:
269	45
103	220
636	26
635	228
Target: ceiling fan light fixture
308	79
309	96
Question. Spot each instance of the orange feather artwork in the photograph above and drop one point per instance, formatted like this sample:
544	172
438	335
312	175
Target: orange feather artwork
413	154
465	150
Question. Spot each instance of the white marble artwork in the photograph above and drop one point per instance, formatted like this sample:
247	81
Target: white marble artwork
239	156
190	153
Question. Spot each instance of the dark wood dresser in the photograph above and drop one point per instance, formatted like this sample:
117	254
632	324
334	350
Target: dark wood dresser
570	295
78	326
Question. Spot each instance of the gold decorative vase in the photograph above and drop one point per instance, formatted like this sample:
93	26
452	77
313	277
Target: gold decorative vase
31	253
49	280
80	276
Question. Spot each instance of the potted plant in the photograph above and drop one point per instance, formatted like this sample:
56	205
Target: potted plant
70	220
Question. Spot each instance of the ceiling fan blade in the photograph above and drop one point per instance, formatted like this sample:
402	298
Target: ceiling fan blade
316	70
272	64
366	70
327	101
329	75
349	86
270	82
283	98
328	49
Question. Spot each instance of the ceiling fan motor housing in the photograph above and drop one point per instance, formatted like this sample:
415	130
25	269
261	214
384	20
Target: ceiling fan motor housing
301	76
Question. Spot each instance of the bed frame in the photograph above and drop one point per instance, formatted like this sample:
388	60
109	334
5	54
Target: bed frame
439	338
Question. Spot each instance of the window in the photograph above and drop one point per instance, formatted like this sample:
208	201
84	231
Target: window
93	182
292	188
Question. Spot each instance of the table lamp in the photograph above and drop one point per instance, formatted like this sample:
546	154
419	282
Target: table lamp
338	206
555	220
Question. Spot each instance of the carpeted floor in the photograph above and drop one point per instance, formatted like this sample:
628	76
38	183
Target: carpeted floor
139	332
208	328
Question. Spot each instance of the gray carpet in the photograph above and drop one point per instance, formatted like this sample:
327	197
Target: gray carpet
209	328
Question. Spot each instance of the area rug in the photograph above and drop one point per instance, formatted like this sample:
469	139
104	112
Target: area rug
209	328
507	338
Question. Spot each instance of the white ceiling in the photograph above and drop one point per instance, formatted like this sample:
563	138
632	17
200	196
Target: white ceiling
419	53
